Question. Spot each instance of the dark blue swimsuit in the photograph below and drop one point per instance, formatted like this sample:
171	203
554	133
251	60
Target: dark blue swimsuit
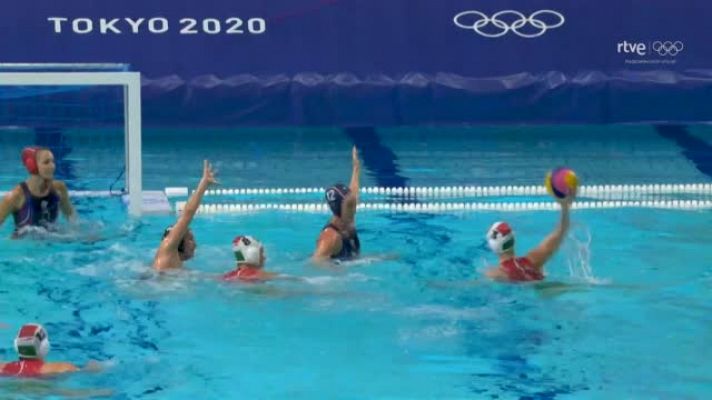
350	245
37	211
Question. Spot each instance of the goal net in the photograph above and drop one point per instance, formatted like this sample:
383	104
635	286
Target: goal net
86	114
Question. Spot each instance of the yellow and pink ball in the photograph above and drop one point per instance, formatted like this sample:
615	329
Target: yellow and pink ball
561	182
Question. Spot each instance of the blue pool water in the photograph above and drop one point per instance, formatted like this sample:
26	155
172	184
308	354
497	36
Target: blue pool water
420	324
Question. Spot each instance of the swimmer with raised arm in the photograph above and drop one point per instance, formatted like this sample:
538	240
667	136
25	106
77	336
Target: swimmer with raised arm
37	201
338	239
500	239
178	243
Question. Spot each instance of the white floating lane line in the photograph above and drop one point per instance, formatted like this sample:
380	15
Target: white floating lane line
87	193
471	191
422	191
237	208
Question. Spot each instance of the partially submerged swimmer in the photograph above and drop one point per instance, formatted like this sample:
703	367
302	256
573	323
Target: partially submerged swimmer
37	201
32	345
249	261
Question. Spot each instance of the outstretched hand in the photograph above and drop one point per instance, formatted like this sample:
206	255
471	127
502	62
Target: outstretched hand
566	201
354	157
208	174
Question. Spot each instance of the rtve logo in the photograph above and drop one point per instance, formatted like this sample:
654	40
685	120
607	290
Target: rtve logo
632	48
661	48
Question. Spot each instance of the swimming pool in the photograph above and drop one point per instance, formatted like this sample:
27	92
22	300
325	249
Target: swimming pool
423	325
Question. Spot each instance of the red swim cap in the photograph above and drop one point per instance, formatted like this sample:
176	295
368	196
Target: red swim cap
29	159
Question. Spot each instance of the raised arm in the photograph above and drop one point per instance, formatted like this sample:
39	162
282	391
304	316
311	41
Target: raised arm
351	201
181	227
355	184
541	254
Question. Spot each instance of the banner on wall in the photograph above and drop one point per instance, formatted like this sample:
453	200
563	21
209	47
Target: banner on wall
334	54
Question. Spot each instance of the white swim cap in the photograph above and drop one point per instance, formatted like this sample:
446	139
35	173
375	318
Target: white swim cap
500	237
32	342
247	250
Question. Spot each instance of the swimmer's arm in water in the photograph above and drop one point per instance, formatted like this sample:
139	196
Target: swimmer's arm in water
329	244
65	367
93	366
364	260
65	203
283	277
10	203
541	254
172	241
271	275
496	274
52	368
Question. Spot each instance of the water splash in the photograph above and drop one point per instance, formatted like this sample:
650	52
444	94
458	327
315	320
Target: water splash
578	258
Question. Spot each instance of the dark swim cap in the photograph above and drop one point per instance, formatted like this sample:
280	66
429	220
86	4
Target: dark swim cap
181	246
335	196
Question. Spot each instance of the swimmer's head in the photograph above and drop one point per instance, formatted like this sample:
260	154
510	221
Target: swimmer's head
337	196
186	248
38	161
500	238
248	251
32	342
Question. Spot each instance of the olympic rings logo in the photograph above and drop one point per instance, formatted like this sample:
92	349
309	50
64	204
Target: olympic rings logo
667	48
464	21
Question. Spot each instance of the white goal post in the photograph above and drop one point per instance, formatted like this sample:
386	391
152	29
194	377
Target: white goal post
131	83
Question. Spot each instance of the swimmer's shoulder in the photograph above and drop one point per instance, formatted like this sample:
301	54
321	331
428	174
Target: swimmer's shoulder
229	276
329	230
164	260
329	243
60	187
15	197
